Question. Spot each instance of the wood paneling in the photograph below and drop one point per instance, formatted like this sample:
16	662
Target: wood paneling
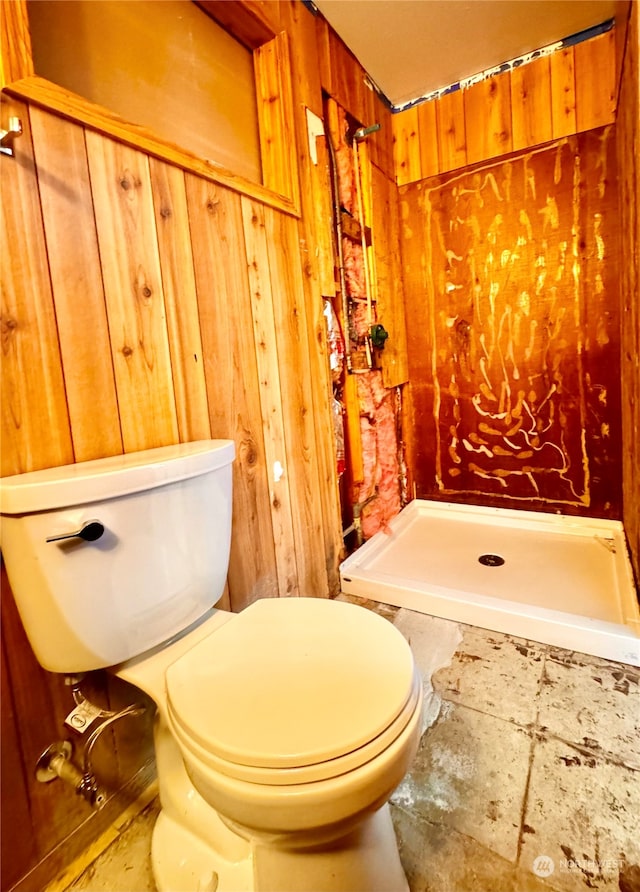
19	849
40	702
344	79
450	131
563	93
130	261
236	253
226	325
570	91
266	350
74	265
406	146
428	132
148	301
595	81
488	121
251	22
514	351
180	300
275	116
38	91
628	142
290	321
315	237
15	43
531	104
35	421
389	292
347	78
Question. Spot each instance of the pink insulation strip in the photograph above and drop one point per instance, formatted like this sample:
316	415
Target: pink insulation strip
344	163
380	454
354	268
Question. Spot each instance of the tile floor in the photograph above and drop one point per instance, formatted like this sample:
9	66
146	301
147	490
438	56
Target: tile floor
527	778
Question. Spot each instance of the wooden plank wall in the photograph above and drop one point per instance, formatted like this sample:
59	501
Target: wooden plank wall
514	351
572	91
628	145
344	79
145	304
554	96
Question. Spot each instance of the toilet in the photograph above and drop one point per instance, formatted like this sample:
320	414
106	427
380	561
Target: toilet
280	732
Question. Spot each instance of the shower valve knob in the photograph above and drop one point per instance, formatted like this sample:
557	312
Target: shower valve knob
89	531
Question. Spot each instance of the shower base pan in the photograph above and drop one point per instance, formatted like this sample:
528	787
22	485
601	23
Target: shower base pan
563	581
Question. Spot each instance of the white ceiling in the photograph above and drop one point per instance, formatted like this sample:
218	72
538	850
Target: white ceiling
412	47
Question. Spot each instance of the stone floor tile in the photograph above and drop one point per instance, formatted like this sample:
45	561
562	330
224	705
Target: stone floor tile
433	642
438	859
470	775
582	813
593	703
488	794
126	865
495	673
387	610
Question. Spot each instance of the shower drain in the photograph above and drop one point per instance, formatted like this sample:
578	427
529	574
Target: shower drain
491	560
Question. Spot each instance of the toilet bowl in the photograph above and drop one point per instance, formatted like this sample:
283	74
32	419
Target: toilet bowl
280	732
294	722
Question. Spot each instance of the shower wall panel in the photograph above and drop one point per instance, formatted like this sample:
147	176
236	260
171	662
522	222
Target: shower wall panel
512	308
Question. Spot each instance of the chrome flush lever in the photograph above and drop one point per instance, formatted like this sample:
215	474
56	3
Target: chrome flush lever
89	531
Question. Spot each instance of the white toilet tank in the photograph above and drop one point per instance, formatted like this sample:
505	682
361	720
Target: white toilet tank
159	565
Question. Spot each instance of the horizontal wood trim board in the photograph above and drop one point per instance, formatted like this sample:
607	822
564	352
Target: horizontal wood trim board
245	21
43	93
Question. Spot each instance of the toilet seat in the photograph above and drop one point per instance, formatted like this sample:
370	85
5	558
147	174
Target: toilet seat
292	691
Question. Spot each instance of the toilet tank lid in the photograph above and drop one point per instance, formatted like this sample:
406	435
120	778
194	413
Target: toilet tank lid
116	475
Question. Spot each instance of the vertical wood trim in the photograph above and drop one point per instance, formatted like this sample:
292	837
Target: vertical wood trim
353	432
487	107
347	77
563	92
266	350
324	54
406	146
18	845
35	421
305	64
531	104
628	155
127	238
320	186
226	326
622	18
272	65
16	60
390	294
41	700
251	22
452	139
297	400
595	81
428	134
180	300
317	253
371	118
74	264
383	139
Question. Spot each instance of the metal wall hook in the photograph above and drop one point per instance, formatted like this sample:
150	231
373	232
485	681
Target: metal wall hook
7	136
